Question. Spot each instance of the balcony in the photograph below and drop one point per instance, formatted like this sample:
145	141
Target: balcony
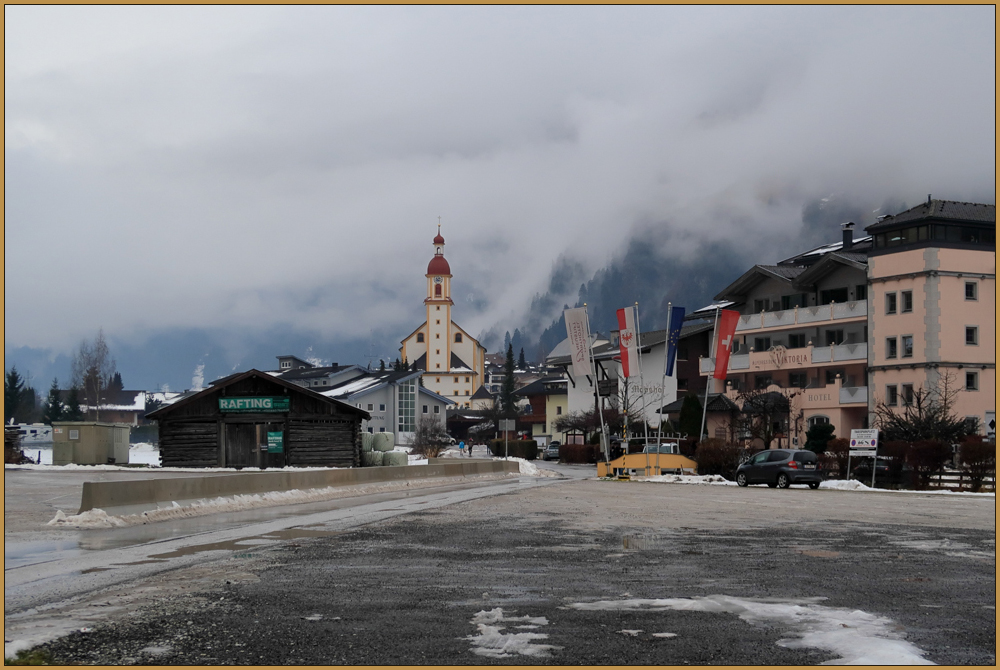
835	311
853	394
780	358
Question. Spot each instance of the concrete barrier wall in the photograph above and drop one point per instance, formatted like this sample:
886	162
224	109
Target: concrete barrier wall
148	493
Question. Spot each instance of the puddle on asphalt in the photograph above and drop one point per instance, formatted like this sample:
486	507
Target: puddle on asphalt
245	543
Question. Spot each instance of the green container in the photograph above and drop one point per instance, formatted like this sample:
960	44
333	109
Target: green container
394	458
382	442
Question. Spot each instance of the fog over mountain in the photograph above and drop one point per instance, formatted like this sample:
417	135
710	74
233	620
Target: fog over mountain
217	185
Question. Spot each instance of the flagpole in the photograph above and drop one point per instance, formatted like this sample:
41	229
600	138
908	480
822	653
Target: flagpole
711	378
642	385
597	399
663	387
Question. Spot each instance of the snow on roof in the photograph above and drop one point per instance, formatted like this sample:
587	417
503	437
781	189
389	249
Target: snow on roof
353	386
711	308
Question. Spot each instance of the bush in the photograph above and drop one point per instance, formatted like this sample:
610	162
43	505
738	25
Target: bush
580	453
716	457
928	457
687	446
979	458
526	449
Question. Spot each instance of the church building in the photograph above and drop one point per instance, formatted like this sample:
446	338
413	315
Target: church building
452	361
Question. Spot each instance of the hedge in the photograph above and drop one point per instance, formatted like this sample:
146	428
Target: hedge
580	453
526	449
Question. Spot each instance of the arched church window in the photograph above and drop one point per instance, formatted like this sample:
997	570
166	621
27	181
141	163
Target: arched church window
437	290
420	337
458	337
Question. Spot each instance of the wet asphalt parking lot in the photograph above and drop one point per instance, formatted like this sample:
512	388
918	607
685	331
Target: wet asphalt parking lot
594	572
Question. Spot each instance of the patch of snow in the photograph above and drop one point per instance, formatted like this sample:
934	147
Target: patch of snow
946	546
717	480
630	633
493	642
529	468
857	637
664	635
98	518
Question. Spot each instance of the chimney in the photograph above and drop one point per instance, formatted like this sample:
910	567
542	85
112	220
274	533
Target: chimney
928	198
848	229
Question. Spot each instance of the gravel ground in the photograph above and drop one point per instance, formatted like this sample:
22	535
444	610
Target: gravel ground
408	591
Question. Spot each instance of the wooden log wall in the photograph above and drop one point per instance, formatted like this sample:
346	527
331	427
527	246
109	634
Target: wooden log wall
190	444
330	442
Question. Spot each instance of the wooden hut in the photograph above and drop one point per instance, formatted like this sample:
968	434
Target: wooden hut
253	419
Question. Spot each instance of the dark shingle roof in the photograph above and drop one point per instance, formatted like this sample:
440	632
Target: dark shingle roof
948	210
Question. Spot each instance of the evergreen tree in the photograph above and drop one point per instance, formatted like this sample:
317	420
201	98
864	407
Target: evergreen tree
13	392
506	341
507	392
73	411
53	404
115	383
817	437
381	365
521	363
689	422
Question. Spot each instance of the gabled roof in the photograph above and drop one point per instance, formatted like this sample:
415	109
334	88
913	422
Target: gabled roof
861	244
310	373
828	264
373	381
717	402
755	275
540	387
482	393
943	210
232	379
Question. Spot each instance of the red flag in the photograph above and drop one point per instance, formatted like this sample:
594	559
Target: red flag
728	319
627	342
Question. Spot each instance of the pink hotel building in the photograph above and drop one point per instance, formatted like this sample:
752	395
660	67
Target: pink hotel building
843	327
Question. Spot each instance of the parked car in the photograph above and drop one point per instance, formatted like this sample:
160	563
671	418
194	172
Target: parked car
663	448
781	468
551	450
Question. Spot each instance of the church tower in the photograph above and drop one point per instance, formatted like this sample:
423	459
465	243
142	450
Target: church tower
452	361
439	304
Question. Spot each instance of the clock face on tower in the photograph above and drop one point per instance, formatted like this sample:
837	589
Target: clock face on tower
438	280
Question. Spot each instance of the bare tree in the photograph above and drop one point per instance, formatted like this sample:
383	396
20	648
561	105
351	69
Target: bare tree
430	437
764	414
92	370
925	416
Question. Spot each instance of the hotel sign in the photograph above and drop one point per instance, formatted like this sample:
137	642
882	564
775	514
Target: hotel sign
258	404
779	357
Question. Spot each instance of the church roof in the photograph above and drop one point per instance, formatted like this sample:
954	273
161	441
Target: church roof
438	266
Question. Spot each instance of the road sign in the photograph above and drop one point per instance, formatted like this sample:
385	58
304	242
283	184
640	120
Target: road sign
855	453
864	439
508	424
607	387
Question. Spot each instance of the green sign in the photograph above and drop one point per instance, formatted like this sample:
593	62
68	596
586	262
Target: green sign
275	442
260	404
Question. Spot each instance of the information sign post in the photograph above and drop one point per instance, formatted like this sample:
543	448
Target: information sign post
506	425
864	442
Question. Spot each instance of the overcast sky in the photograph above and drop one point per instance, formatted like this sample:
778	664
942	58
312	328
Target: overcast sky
268	168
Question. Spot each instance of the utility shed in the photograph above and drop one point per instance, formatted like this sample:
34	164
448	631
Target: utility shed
256	420
89	443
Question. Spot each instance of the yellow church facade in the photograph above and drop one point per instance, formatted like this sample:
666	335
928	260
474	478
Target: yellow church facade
452	361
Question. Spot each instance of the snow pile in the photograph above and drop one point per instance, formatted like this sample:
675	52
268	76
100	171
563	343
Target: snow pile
844	485
717	480
144	453
493	642
529	468
858	638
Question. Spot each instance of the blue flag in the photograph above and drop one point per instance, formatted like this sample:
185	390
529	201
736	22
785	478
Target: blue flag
673	336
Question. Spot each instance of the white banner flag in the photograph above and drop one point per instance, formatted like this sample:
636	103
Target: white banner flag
578	332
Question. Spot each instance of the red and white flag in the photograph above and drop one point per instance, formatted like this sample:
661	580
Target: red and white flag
728	319
578	332
628	343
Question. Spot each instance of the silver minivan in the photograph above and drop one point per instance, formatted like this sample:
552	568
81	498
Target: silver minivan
781	468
